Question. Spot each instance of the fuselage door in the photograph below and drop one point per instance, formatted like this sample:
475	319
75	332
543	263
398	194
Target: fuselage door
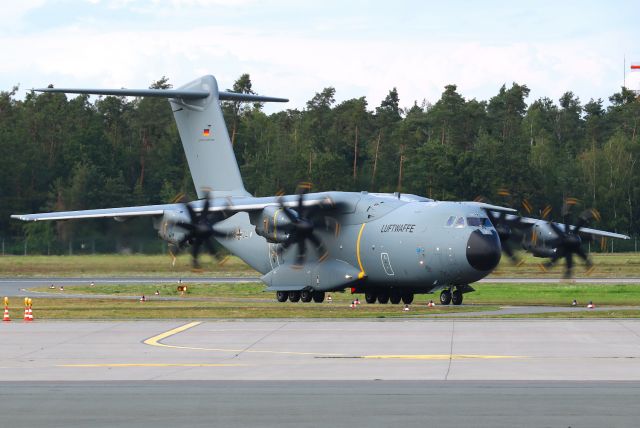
274	257
386	264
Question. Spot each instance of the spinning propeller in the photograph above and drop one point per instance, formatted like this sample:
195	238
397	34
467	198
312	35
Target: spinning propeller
301	229
509	229
569	241
508	226
200	229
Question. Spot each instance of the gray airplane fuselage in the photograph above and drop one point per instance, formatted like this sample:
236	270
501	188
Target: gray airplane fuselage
405	242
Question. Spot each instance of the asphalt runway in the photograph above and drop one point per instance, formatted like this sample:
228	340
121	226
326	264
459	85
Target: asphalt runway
311	373
349	404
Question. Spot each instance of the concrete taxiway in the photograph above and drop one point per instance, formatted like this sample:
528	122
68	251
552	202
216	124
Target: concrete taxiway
556	350
311	373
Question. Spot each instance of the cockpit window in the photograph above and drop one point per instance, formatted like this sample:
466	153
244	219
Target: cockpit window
459	222
478	221
451	220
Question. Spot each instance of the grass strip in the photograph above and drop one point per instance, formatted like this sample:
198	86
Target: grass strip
486	293
96	309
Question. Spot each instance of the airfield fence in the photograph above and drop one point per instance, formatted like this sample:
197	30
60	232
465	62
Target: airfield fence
94	245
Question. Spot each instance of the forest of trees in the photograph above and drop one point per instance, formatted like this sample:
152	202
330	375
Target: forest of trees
64	153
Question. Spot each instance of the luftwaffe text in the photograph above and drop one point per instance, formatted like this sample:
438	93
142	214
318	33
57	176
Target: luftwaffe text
397	228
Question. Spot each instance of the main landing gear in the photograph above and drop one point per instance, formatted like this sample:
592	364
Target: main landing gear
447	296
296	296
385	296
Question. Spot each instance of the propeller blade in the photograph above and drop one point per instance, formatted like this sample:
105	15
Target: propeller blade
300	204
218	234
186	226
302	252
212	250
205	208
192	214
568	272
587	261
553	261
183	241
603	243
195	252
506	247
569	263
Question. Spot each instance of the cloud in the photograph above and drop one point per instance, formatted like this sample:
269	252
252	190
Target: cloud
298	64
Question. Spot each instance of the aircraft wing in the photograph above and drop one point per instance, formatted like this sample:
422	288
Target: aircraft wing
496	208
123	212
243	204
583	230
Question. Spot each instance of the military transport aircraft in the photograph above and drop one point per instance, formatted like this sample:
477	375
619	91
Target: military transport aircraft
389	246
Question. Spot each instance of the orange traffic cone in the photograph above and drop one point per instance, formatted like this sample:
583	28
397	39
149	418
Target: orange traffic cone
26	313
6	314
30	314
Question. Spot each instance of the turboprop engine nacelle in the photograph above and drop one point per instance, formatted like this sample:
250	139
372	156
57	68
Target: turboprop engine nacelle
543	242
273	224
166	226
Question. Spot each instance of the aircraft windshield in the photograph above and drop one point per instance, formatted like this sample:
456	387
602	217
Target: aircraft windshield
478	221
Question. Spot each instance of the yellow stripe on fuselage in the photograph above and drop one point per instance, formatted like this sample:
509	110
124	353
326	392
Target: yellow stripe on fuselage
362	273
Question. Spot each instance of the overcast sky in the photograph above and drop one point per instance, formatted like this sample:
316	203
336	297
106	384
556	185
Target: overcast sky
294	49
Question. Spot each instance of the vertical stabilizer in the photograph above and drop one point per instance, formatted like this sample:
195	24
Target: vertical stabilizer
206	141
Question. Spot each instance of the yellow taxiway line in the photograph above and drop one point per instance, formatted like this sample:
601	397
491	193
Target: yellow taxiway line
151	365
155	341
439	357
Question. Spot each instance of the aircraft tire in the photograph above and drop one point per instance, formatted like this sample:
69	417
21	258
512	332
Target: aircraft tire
370	297
383	297
407	298
282	296
456	297
318	296
306	296
294	296
395	297
445	297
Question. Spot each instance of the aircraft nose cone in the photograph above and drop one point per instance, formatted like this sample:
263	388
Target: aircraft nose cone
483	251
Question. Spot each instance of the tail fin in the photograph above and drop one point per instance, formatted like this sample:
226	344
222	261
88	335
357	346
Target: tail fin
196	109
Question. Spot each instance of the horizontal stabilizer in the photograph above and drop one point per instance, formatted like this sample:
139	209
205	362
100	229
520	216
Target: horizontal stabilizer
237	96
185	94
188	94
